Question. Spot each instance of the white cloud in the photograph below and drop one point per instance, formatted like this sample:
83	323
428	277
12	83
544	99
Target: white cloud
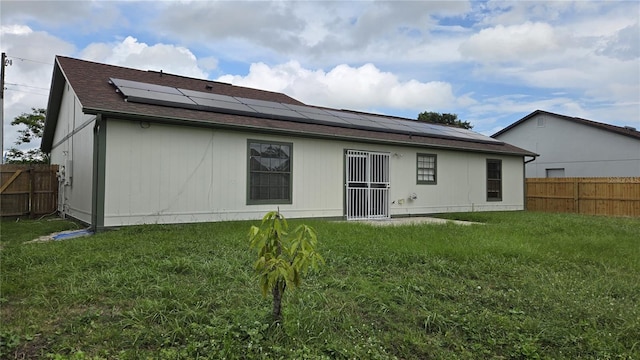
492	114
510	43
356	88
81	16
315	33
132	53
29	76
14	29
208	63
500	12
624	44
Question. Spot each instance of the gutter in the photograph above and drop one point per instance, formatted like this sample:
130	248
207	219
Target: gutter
209	124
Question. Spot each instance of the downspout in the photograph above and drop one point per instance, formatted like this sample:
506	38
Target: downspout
98	178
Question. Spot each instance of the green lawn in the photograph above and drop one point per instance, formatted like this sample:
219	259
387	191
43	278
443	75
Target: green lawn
521	286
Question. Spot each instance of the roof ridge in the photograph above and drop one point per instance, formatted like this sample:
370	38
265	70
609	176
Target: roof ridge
621	130
184	77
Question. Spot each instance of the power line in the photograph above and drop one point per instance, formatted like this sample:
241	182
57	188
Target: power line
27	92
29	86
30	60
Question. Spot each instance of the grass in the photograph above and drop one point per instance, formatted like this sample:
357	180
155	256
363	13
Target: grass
524	285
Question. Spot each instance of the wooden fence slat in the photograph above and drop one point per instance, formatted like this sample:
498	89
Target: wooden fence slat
29	190
10	181
594	196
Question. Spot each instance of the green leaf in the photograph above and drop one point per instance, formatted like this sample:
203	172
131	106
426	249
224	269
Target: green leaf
282	258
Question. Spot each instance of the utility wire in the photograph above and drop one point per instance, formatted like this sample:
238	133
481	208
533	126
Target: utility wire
27	92
34	61
29	86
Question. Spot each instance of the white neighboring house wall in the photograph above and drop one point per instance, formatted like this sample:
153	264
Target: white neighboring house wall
73	151
158	173
571	149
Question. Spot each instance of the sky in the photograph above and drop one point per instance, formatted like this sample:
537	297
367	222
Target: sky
489	62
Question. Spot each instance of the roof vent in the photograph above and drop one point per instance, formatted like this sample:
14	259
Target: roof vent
630	128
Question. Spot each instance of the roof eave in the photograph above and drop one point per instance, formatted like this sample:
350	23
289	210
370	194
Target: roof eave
209	124
58	81
518	123
586	122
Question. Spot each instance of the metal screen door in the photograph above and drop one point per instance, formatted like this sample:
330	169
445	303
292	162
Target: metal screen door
367	185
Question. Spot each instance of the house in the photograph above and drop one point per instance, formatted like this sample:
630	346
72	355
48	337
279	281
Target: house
138	147
574	147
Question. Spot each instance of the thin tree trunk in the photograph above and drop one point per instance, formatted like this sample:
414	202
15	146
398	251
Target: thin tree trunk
277	303
277	292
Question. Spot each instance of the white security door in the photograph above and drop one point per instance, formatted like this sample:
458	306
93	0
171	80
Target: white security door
367	185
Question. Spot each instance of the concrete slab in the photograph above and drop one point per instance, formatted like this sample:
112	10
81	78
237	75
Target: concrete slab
416	221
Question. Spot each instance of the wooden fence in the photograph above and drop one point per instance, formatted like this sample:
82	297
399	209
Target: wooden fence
591	196
28	190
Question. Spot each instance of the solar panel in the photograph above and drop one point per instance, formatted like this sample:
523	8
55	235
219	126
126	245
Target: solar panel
144	86
306	109
139	92
393	124
283	113
344	114
356	121
425	128
323	118
157	98
206	95
217	105
485	138
256	102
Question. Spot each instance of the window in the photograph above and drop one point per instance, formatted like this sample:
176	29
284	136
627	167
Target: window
426	168
494	180
269	172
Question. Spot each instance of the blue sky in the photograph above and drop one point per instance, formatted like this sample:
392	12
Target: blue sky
490	62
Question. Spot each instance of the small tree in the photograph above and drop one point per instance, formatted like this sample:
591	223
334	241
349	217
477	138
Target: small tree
34	123
282	259
444	118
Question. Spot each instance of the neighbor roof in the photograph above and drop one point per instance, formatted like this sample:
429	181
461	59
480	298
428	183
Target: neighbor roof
90	82
620	130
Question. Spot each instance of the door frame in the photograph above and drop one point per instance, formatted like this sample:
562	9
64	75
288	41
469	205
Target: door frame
366	184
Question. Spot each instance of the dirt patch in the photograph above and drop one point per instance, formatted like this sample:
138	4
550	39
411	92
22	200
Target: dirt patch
62	235
416	221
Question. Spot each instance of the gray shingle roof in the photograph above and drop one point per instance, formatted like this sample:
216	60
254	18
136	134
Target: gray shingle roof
90	82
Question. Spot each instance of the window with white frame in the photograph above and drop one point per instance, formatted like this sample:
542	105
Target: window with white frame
426	168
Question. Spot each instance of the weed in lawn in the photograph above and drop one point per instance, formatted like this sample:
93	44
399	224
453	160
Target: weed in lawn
283	258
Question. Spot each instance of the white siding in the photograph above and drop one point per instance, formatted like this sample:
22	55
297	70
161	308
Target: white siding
75	195
581	150
169	174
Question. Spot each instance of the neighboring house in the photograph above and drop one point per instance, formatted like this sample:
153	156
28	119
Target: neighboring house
574	147
149	147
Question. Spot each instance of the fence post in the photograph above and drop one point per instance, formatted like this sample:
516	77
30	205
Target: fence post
53	180
576	196
32	185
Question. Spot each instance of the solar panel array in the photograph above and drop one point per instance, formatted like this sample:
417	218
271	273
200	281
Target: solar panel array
145	93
